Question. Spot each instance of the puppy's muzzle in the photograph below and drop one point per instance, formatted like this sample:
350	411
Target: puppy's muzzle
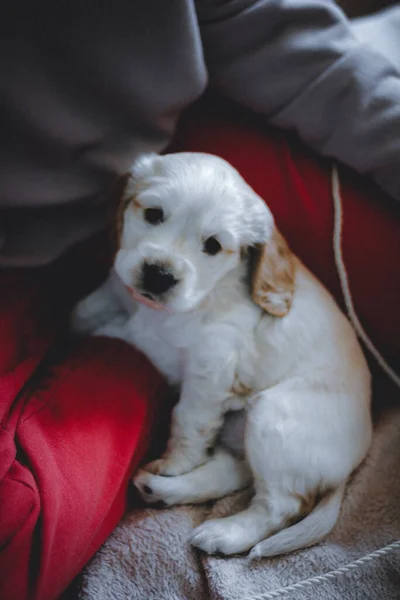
157	279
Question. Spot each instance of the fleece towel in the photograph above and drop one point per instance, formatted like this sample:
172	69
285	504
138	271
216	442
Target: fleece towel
148	557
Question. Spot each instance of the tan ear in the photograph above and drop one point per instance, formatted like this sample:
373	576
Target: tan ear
116	205
273	276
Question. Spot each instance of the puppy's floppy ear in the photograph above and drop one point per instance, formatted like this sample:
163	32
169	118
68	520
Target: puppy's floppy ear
118	199
117	202
272	275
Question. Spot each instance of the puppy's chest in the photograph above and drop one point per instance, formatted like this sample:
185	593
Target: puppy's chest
165	339
226	345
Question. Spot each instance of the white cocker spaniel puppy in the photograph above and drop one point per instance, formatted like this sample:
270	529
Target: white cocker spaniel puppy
274	387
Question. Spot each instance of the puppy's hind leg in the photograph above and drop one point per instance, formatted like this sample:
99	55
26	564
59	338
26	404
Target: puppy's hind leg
238	533
220	476
271	506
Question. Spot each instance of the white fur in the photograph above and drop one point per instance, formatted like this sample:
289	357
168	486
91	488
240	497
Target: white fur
304	425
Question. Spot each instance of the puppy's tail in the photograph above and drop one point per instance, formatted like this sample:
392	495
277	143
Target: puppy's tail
312	529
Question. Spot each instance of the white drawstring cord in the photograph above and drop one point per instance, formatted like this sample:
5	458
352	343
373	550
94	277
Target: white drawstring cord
344	279
321	579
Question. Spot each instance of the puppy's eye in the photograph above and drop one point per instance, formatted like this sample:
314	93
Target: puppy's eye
154	216
212	246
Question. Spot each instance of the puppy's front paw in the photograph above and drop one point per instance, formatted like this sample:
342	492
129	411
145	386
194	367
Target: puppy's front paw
84	319
112	324
98	310
173	465
89	315
155	488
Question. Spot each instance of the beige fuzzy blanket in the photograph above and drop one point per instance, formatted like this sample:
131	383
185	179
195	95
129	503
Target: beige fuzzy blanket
148	558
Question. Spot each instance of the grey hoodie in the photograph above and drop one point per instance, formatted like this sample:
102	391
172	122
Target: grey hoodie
87	86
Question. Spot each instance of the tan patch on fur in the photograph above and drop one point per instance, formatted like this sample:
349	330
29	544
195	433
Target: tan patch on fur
307	503
273	278
240	389
118	204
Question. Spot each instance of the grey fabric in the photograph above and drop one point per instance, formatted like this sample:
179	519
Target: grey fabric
301	64
382	32
85	88
148	557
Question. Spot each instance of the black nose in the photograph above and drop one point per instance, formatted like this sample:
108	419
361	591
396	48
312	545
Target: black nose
157	279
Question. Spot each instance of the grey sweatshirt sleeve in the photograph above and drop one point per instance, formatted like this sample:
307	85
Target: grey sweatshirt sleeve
299	63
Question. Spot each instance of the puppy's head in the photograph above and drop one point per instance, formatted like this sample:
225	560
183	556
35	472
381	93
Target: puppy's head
186	220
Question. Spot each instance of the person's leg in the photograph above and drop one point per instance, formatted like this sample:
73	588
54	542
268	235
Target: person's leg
296	184
72	431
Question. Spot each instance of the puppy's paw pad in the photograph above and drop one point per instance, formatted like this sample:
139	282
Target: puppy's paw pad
143	482
155	488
